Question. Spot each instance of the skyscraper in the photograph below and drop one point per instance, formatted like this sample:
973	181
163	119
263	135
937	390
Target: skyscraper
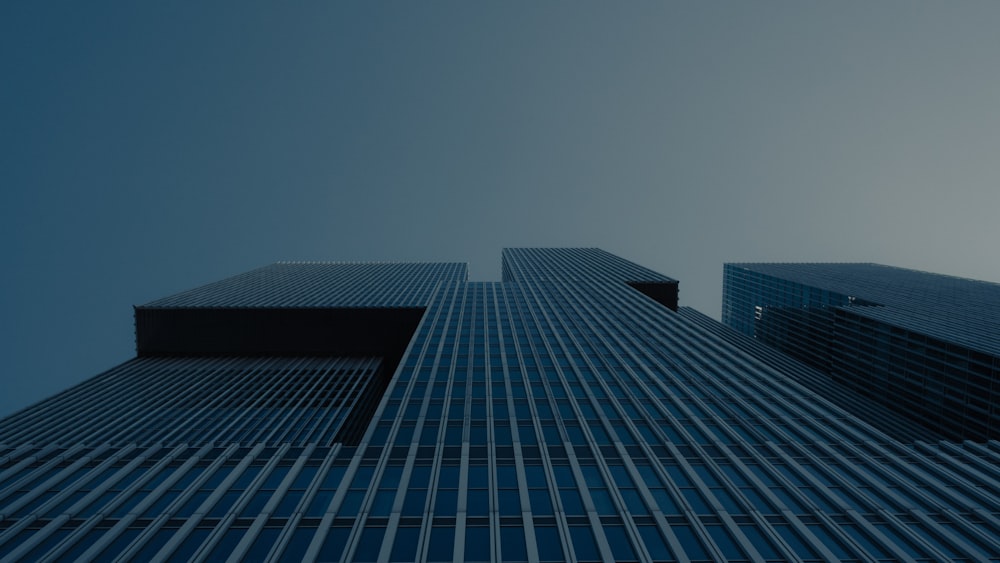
398	412
925	345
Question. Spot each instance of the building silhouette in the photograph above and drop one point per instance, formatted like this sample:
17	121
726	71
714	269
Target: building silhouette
398	412
926	346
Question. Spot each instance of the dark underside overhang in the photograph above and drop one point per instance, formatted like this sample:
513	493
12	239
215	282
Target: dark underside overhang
275	331
663	292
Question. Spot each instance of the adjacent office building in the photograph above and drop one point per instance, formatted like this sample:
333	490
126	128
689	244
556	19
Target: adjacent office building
926	346
398	412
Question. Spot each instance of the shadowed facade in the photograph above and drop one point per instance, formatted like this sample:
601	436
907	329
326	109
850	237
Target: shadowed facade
924	345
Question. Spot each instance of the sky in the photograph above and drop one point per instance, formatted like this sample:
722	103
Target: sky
150	147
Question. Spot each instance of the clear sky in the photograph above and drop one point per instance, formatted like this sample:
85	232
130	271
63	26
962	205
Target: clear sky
149	147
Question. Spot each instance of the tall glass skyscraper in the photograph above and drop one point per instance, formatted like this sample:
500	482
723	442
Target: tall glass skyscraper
398	412
925	345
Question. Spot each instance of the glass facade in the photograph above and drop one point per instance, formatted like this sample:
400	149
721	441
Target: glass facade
565	413
924	345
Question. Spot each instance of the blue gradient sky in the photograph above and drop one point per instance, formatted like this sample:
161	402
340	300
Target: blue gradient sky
147	148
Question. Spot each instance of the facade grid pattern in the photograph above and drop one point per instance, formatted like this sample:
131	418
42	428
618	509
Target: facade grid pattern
556	415
926	346
322	285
